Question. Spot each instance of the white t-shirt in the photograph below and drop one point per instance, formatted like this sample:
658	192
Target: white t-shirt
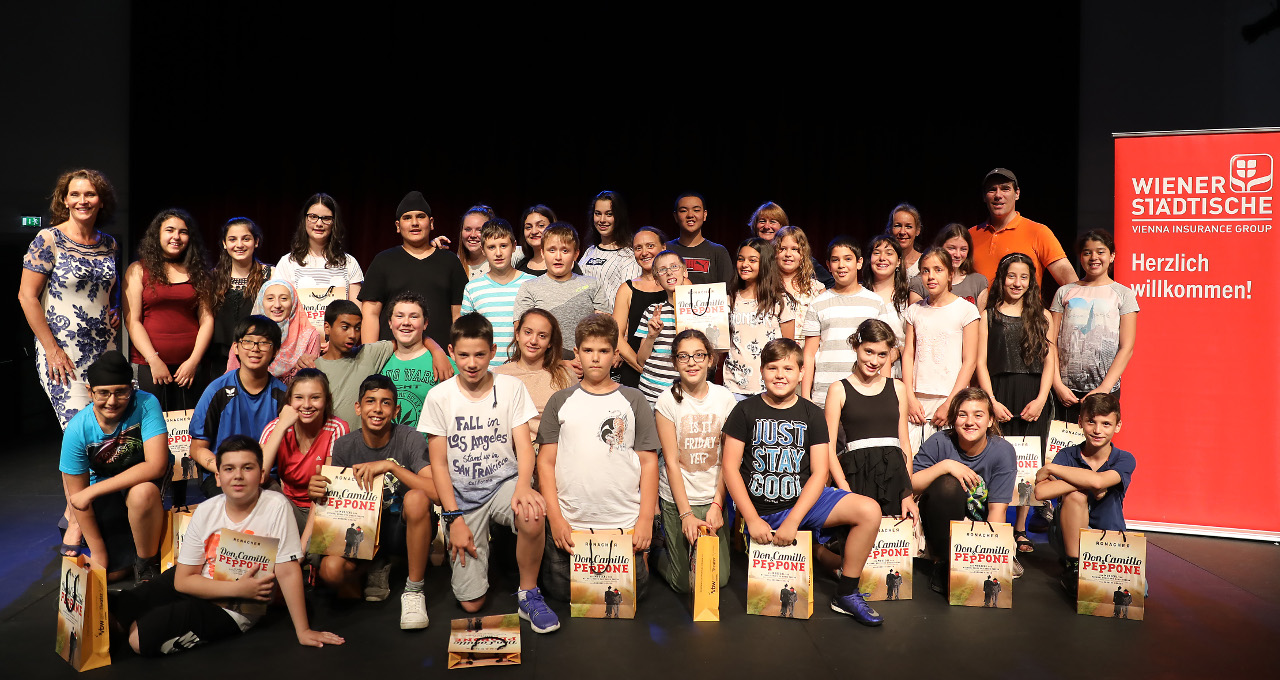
314	273
698	424
939	343
612	267
833	318
272	516
748	334
478	435
597	467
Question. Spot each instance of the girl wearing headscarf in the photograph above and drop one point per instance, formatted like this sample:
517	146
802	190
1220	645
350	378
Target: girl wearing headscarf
278	301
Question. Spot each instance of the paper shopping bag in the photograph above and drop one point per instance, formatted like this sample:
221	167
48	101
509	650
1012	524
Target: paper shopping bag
485	641
316	300
1061	435
602	576
780	578
887	574
83	637
1113	574
981	564
704	306
347	521
1029	463
175	527
235	554
704	575
178	423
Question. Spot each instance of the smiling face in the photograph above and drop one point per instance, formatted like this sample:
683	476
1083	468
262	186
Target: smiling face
1096	259
646	246
534	225
781	377
748	264
973	417
414	228
904	230
472	225
690	214
240	243
958	249
767	227
789	255
884	261
596	356
472	355
872	356
935	275
239	474
602	218
277	303
307	398
1099	429
255	352
174	237
534	336
377	410
110	402
82	200
844	265
1000	198
668	272
407	323
319	225
1016	281
559	256
692	361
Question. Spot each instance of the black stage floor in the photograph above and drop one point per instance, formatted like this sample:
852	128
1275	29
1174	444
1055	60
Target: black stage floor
1214	611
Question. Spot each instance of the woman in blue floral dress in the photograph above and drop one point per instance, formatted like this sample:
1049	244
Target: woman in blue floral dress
69	295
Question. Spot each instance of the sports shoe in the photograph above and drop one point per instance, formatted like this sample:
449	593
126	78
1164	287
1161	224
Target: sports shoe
1018	569
1070	579
413	611
855	606
534	609
938	579
377	585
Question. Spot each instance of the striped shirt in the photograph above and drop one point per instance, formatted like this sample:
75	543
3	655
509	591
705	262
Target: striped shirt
833	318
495	302
659	370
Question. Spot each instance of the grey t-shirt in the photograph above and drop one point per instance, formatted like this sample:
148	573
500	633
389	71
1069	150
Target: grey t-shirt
407	446
569	301
346	374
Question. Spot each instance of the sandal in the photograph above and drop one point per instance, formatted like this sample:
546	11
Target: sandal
1024	544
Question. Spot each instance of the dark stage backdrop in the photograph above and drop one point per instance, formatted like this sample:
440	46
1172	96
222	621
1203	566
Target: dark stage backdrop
248	114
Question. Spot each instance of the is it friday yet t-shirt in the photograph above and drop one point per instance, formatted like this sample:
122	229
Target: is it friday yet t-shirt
776	449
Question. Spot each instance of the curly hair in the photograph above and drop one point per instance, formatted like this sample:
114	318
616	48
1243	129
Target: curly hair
193	259
222	271
334	255
805	271
1035	328
106	192
769	211
901	287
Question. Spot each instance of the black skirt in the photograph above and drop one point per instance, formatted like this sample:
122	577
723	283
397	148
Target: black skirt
880	473
1015	391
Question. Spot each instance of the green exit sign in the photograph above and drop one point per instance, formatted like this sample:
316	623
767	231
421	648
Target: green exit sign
29	221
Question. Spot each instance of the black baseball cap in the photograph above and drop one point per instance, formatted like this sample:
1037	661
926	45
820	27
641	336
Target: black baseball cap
999	175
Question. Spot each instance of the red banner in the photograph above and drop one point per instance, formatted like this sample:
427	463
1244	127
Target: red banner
1195	218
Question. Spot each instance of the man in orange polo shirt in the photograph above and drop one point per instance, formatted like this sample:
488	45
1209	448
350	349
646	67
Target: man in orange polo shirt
1006	231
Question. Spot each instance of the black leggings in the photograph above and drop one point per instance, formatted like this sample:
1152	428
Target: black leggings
941	503
169	621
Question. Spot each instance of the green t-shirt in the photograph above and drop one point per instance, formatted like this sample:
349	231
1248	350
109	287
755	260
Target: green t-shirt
413	379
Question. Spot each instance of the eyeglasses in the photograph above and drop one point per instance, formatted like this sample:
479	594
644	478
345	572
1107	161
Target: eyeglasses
669	269
105	395
325	220
697	358
256	344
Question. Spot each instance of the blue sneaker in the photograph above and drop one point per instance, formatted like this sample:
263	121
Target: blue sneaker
534	609
855	606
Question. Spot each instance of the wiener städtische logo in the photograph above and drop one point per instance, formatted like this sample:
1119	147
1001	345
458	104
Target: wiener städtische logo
1251	173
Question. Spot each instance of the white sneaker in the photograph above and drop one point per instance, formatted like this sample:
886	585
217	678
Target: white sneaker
1017	568
413	611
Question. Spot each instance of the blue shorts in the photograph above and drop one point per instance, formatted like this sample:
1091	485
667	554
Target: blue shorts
815	518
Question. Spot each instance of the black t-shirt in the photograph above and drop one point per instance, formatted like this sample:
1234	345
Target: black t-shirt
707	262
775	456
523	266
438	278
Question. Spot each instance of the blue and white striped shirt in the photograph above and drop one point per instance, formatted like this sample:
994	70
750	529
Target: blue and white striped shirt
495	302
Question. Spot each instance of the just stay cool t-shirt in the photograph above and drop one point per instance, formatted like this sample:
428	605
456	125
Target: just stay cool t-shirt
775	456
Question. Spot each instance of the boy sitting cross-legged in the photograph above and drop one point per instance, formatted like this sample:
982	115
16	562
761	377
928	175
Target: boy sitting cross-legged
477	426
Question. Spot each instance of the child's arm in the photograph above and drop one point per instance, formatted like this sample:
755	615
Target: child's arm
835	403
909	508
370	325
715	513
271	445
969	360
921	480
1065	395
811	344
1128	336
675	478
461	541
250	586
525	501
651	326
998	410
290	576
730	465
155	461
818	457
642	534
133	323
1031	412
1080	479
915	410
187	370
561	532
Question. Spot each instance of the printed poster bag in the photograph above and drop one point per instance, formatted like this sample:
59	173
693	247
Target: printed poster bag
602	575
780	578
83	637
1061	435
178	423
887	574
981	564
485	641
175	527
347	521
1029	463
1113	574
704	575
704	306
316	300
236	554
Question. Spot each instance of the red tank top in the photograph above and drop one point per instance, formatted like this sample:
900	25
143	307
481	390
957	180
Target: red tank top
171	317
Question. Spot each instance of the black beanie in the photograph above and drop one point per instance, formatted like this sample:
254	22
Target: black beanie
413	201
110	369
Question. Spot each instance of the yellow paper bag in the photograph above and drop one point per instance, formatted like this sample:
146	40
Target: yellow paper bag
887	573
316	300
1113	574
704	575
178	423
83	636
780	578
602	576
175	527
348	522
485	641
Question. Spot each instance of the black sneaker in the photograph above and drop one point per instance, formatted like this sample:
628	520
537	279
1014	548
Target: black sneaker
938	581
146	570
1070	579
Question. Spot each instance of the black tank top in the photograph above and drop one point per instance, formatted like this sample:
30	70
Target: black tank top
869	417
640	301
1004	345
